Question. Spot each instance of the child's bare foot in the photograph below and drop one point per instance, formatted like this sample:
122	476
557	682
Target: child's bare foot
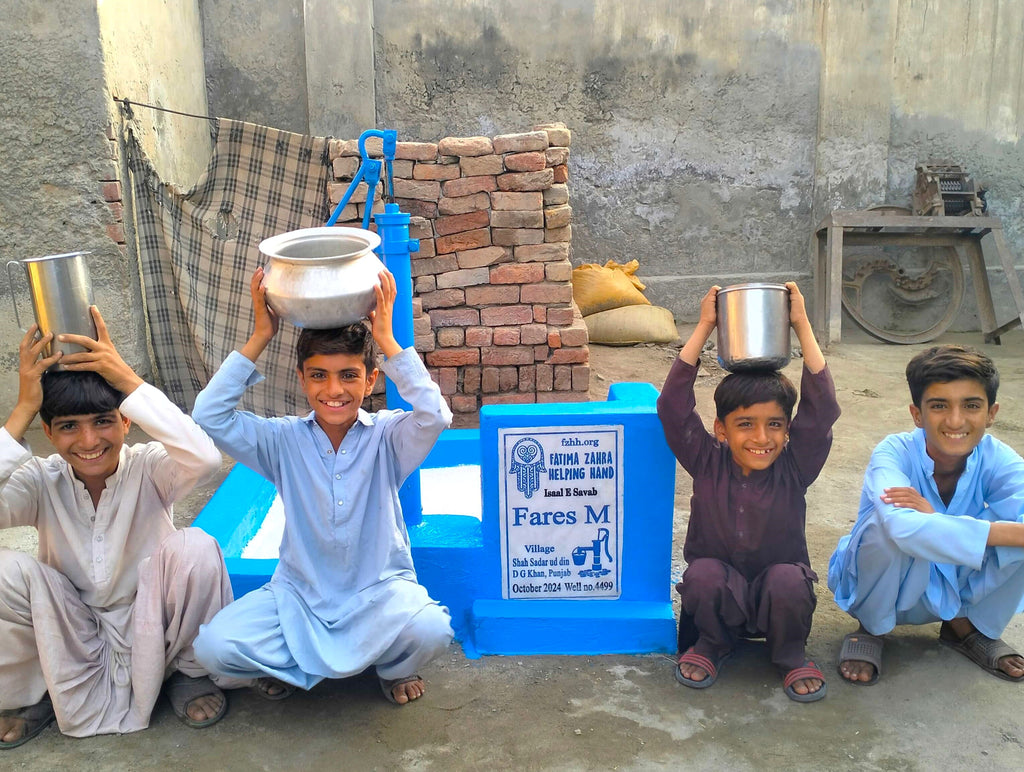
12	729
20	725
856	670
206	707
860	658
805	683
272	689
697	671
403	690
692	672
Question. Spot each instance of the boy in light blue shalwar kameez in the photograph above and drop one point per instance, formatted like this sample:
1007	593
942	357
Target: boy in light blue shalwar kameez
940	532
344	595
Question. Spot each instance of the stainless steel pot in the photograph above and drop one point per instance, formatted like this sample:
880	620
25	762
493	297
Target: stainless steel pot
322	277
61	293
753	327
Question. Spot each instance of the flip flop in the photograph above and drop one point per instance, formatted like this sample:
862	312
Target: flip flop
981	650
387	685
181	690
263	686
37	717
862	647
711	668
809	670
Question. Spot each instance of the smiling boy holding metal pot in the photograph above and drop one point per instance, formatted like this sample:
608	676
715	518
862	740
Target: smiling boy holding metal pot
109	609
748	571
344	595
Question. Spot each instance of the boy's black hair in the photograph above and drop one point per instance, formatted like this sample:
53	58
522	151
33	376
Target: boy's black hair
752	387
71	393
350	339
942	364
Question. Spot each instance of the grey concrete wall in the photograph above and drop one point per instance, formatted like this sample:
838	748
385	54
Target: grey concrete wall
153	53
256	61
709	139
53	153
694	124
340	67
960	95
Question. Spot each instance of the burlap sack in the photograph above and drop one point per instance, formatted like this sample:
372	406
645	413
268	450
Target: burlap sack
632	324
597	288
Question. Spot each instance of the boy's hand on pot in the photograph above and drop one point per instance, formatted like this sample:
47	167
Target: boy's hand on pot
266	322
100	356
31	366
382	316
709	307
797	305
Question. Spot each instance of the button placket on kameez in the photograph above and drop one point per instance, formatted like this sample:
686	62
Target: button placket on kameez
341	474
100	568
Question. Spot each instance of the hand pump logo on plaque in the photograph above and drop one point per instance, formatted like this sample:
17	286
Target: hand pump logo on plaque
560	503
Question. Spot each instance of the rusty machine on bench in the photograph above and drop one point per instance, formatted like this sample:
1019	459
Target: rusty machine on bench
899	272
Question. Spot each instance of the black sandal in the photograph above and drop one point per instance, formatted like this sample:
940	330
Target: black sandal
181	690
262	687
37	717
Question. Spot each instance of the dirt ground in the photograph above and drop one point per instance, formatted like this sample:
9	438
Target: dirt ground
930	709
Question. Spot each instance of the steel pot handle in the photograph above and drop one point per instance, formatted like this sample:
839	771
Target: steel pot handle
10	282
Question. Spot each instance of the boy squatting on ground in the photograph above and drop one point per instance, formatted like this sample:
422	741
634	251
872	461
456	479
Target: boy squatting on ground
344	595
748	573
940	531
112	605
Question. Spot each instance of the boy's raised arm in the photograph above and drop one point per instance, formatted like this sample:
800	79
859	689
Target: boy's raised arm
684	431
382	317
412	434
266	322
814	360
31	366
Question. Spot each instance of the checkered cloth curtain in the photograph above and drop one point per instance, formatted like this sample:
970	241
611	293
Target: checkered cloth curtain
198	251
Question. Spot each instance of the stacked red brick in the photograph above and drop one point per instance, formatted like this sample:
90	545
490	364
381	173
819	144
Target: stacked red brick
493	308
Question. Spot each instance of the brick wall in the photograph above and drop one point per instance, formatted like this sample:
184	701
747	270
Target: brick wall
110	188
492	310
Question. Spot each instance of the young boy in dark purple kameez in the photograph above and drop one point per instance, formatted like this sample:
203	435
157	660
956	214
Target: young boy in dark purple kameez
748	573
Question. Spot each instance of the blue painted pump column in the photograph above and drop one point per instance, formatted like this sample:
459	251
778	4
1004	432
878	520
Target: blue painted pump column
394	249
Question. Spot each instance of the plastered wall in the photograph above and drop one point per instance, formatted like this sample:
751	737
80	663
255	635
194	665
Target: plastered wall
709	138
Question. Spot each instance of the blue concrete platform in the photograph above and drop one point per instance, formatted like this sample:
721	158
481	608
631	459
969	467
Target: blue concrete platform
573	551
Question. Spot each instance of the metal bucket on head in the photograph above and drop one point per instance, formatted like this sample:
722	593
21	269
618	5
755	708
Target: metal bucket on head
753	326
61	293
322	277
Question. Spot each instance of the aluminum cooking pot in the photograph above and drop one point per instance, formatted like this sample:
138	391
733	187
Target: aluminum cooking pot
61	292
322	277
753	327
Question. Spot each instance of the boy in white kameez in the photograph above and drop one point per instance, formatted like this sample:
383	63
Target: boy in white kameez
940	533
92	627
344	595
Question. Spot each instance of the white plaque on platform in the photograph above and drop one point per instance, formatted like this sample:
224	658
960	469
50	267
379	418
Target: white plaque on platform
560	510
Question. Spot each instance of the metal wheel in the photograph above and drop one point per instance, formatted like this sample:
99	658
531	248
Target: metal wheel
902	294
